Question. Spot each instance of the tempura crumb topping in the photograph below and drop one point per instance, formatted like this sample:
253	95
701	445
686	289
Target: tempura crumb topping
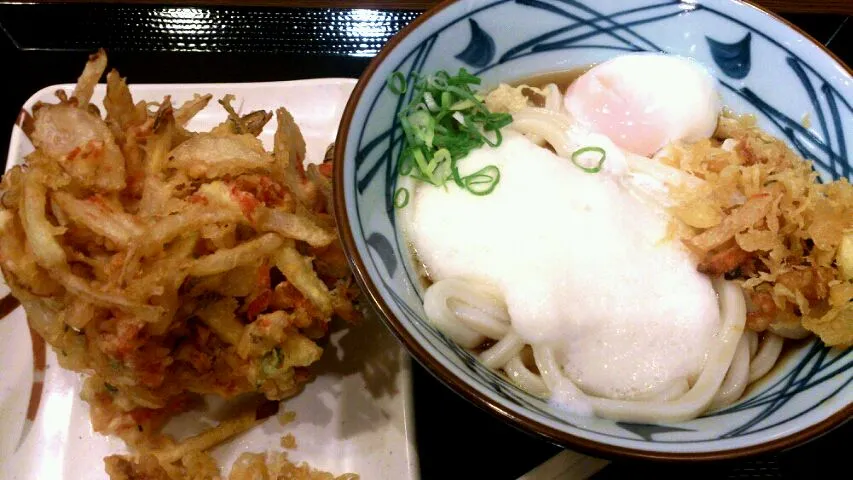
765	219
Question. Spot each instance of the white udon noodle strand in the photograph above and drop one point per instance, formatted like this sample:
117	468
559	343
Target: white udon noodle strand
789	329
752	338
736	378
767	356
672	403
466	311
662	172
666	391
520	375
553	98
553	103
438	311
482	315
676	390
546	124
502	352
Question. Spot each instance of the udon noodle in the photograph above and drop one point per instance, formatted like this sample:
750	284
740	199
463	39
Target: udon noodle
597	270
468	312
471	312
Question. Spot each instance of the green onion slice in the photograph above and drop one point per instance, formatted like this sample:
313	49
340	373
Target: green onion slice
454	171
397	83
423	127
483	181
585	165
430	102
405	163
444	121
401	197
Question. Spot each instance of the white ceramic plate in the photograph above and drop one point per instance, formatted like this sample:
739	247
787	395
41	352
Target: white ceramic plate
355	417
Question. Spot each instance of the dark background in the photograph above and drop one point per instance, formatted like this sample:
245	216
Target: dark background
41	45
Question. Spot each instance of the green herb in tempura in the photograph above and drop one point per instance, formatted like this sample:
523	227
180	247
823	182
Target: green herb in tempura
442	123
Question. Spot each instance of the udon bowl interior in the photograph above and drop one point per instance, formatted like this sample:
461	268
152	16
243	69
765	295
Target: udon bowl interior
764	67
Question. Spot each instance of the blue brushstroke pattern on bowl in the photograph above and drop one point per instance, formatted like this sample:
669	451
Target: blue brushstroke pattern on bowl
763	67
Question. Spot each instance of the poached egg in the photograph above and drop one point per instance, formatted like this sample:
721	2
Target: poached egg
644	101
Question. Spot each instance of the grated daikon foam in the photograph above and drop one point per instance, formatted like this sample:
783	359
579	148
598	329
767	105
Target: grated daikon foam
583	264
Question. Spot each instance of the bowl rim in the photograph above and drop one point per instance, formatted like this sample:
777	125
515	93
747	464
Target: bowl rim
458	385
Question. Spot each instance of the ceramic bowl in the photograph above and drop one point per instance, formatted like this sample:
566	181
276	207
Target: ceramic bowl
764	66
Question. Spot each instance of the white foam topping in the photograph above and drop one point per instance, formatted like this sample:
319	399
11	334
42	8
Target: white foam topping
583	265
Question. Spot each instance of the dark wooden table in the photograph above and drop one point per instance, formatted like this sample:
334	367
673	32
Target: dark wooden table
43	44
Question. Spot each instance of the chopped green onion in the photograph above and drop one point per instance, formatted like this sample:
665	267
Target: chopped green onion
463	77
405	164
597	166
397	83
437	82
444	121
441	156
498	139
454	170
483	181
431	103
461	105
401	197
498	121
442	172
271	362
417	176
423	127
446	100
421	162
